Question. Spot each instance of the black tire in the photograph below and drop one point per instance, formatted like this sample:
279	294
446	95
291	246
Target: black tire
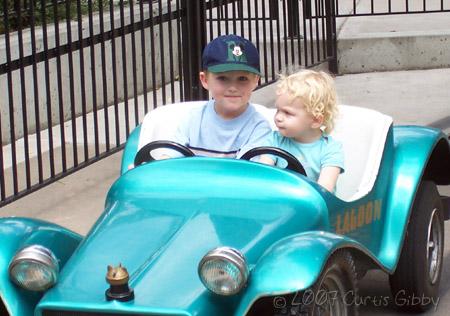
334	293
415	283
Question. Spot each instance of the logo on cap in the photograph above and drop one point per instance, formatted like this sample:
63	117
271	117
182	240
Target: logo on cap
236	52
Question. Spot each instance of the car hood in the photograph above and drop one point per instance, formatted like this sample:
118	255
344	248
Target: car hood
162	218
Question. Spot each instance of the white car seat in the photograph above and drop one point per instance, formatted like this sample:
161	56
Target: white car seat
362	132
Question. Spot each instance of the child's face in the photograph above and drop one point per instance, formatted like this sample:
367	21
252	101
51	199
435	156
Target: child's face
294	121
231	90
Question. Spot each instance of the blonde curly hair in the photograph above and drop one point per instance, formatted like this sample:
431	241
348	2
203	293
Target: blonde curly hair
316	91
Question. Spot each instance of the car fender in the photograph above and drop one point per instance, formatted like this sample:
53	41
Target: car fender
293	264
17	233
130	150
419	153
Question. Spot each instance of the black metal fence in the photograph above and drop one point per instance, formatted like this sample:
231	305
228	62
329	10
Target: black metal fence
78	75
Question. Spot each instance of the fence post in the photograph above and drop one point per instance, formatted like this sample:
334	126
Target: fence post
331	41
193	41
293	18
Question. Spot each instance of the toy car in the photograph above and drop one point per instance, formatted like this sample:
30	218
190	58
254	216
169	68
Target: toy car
215	236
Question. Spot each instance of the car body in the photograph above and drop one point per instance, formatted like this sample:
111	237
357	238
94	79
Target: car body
161	218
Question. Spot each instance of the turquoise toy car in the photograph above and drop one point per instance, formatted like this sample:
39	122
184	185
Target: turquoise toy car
214	236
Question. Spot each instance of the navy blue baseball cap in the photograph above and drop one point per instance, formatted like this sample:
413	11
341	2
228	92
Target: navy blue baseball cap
230	52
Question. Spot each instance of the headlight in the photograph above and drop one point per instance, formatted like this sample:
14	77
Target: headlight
34	268
223	271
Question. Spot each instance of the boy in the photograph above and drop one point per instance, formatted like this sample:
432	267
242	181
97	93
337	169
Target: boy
306	108
227	125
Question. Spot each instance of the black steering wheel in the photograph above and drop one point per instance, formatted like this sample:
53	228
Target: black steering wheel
145	153
292	162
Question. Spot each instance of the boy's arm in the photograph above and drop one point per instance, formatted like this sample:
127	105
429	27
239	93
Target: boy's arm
261	136
328	177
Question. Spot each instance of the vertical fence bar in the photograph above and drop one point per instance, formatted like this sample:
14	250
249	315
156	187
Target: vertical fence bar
293	9
263	9
11	105
285	34
60	93
322	24
233	7
104	78
272	46
210	19
311	38
152	47
36	94
331	36
194	38
299	35
241	16
162	53
47	92
291	30
276	14
71	85
219	18
249	13
114	68
180	49
390	6
124	67
227	28
317	4
305	35
257	25
171	67
82	78
133	60
24	100
143	52
93	84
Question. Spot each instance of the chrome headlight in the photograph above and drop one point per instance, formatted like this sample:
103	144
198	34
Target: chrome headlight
223	271
34	268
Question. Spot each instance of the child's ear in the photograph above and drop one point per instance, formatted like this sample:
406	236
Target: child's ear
317	121
256	80
204	79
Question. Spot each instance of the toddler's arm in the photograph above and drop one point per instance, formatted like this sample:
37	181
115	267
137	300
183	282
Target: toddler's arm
267	160
328	177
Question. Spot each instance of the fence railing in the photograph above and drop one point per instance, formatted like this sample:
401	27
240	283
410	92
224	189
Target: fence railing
77	76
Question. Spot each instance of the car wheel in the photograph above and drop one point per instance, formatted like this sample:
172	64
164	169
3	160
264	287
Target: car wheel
335	292
415	283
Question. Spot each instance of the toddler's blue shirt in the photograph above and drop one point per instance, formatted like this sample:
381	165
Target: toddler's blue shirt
324	152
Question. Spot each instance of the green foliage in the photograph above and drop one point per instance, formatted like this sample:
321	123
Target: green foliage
20	12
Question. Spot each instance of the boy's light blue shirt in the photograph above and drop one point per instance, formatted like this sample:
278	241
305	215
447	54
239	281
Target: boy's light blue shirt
208	134
313	156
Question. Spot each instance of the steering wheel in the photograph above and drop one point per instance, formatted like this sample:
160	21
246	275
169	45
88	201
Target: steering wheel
145	153
292	162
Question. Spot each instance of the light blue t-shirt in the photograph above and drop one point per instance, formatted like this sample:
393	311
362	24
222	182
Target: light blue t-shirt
208	134
324	152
